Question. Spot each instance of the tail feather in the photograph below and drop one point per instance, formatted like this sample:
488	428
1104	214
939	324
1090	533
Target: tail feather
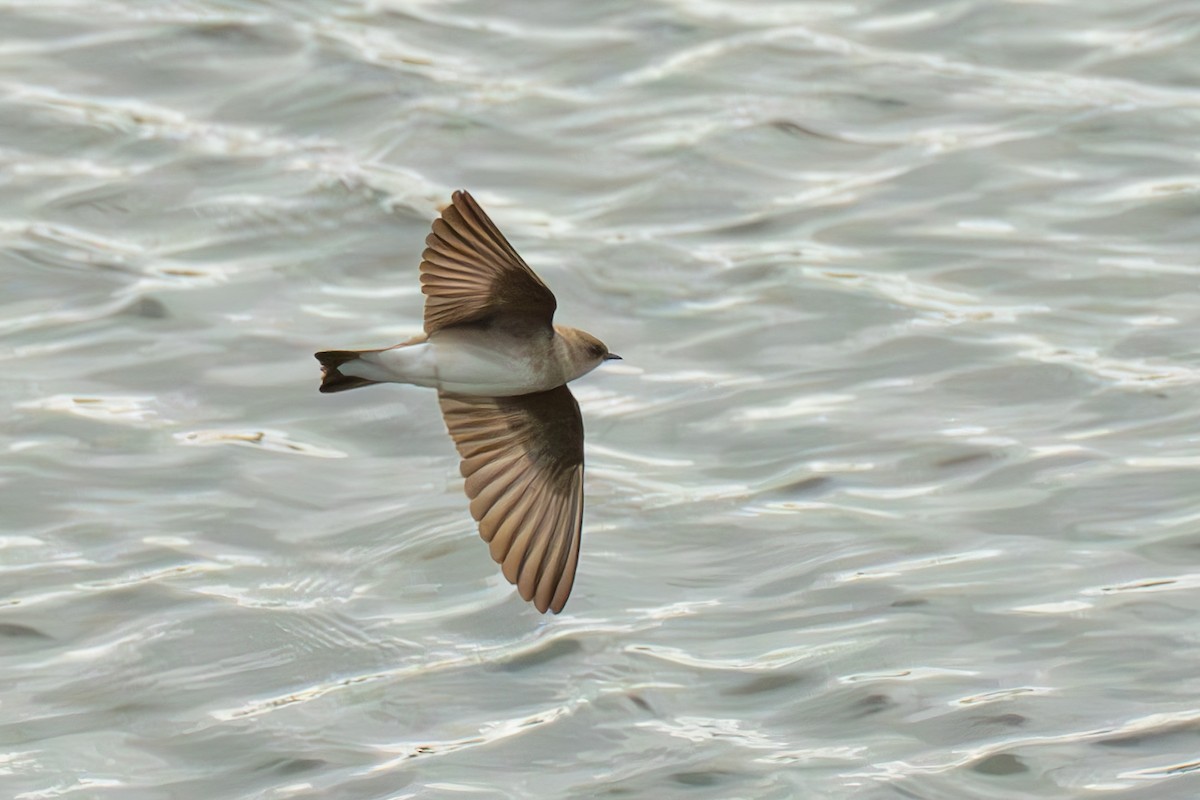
332	380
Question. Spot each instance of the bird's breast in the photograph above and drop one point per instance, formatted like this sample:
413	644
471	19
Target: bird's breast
493	364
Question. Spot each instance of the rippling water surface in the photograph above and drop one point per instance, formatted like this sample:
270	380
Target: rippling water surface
894	496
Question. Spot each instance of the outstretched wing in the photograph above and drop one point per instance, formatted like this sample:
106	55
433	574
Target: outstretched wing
470	273
522	458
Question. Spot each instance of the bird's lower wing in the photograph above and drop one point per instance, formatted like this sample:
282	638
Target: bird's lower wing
522	458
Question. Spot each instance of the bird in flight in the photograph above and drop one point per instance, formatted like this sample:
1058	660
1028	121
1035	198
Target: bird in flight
501	368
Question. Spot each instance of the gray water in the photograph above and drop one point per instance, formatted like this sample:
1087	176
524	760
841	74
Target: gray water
894	496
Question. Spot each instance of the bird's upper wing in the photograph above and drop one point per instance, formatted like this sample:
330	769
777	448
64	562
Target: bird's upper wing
522	458
470	273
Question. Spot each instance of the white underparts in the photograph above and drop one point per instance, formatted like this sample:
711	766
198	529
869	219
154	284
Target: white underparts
466	364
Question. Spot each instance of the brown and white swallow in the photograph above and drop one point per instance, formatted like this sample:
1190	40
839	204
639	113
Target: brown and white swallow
501	368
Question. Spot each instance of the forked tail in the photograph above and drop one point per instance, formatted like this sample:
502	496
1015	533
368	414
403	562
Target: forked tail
332	380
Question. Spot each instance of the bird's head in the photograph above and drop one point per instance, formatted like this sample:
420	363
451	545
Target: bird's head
584	351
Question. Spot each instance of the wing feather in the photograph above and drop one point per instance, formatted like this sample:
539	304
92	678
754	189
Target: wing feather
565	579
550	571
502	494
530	538
523	530
534	554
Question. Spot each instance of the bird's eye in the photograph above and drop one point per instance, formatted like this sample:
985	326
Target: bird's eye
595	350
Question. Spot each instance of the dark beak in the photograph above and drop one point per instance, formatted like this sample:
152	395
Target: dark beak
612	356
